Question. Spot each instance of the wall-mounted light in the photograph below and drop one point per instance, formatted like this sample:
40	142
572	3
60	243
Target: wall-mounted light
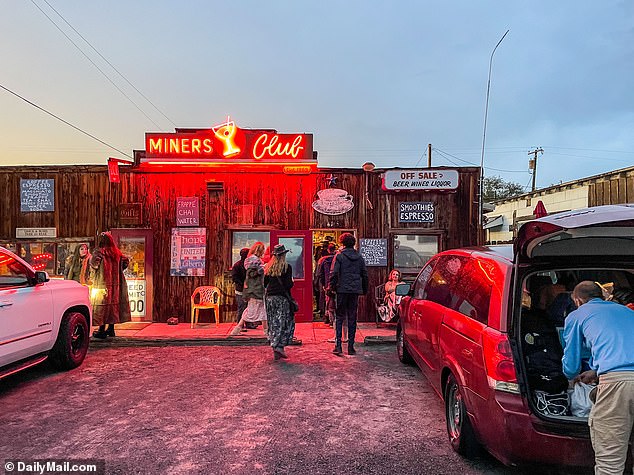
368	166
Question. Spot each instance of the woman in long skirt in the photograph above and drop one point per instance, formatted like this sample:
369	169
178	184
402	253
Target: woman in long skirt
253	292
278	281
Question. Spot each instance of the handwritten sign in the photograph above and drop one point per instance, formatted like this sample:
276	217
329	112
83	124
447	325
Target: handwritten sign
373	251
416	212
187	211
188	251
37	195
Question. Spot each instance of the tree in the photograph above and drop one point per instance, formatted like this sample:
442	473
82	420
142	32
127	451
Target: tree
496	188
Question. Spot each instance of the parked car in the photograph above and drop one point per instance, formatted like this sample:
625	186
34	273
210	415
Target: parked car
484	325
40	318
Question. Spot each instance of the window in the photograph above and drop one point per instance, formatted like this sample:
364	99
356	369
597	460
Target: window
295	256
241	239
412	251
422	279
472	292
12	273
442	285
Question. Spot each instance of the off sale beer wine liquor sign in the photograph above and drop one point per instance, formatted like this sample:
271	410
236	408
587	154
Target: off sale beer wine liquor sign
429	179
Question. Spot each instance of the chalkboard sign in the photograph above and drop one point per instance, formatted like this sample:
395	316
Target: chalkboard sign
37	195
373	251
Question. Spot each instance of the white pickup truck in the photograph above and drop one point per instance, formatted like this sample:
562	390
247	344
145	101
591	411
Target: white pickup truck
40	318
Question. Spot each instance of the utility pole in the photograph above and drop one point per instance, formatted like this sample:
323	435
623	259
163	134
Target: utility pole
428	155
532	163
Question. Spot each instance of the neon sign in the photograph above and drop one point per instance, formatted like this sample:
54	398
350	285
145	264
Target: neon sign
226	143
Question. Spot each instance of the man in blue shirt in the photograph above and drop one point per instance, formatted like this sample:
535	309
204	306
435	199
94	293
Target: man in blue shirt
607	328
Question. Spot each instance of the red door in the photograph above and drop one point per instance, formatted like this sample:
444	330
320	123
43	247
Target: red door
300	244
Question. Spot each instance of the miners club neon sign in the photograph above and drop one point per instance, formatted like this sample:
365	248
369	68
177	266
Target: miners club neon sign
227	143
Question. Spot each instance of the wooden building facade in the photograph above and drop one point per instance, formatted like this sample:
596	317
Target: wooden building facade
234	206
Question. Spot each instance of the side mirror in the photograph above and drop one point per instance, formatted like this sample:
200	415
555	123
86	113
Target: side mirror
41	277
402	289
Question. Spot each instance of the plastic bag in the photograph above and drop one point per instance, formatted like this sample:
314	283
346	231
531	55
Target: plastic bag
580	403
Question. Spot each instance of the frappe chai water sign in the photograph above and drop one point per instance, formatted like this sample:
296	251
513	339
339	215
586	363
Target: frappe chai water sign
421	179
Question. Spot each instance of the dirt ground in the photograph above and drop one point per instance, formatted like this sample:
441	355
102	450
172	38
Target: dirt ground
222	410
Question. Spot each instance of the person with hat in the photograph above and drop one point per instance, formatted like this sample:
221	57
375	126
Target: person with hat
278	281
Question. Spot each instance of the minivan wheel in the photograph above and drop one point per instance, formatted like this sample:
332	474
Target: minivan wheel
403	355
72	341
459	428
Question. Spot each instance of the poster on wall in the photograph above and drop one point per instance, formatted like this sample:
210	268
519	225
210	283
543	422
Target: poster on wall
188	251
373	251
37	195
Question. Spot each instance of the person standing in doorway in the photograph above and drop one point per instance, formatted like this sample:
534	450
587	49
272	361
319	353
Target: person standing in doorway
322	276
606	327
278	281
349	279
109	293
238	275
253	291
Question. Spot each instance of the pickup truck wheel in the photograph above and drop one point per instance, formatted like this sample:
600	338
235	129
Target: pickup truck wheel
72	341
403	355
459	428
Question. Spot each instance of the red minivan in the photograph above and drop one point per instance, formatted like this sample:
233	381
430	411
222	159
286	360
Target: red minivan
484	325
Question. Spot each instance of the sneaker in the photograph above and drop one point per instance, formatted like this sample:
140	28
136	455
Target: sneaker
337	351
351	351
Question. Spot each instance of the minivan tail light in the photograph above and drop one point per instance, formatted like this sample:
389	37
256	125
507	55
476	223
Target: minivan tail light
498	360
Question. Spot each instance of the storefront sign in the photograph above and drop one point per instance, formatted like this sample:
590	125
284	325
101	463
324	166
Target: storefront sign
333	201
136	295
226	144
188	251
373	251
32	233
37	195
427	179
297	170
130	213
187	211
416	212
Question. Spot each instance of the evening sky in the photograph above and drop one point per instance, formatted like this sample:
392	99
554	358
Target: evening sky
373	81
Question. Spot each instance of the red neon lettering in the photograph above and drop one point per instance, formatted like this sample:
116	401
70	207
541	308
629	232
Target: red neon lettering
275	148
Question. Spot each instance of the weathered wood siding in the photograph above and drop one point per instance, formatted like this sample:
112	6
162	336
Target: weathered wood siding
612	190
86	204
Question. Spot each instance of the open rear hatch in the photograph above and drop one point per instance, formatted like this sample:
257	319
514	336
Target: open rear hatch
600	231
579	243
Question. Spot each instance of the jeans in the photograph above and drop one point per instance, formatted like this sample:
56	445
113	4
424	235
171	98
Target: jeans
242	305
346	308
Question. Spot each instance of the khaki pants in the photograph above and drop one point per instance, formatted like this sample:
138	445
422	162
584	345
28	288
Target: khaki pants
611	420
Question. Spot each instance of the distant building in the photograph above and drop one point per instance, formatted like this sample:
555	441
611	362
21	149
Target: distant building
615	187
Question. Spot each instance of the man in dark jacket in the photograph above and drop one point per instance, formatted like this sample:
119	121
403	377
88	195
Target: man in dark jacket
349	279
238	275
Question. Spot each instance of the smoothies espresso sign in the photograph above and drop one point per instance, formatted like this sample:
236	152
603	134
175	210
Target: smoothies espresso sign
226	143
431	179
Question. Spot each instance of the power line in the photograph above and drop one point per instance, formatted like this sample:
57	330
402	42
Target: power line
95	65
476	165
109	63
65	122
